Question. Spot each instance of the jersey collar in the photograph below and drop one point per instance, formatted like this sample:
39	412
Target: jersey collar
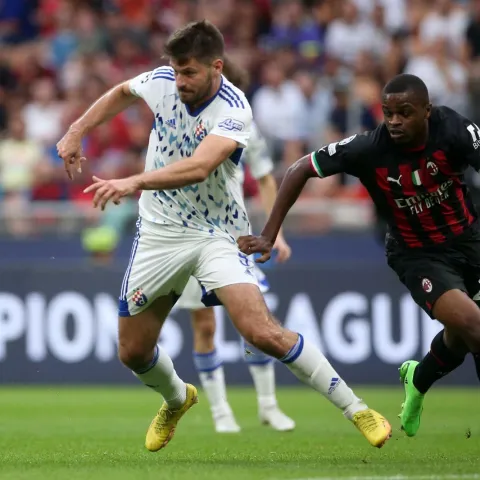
203	106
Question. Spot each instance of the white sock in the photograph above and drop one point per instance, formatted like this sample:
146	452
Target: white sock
310	366
264	381
212	378
160	375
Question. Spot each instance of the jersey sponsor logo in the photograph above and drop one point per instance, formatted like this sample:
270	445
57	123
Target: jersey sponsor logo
423	201
475	134
395	180
427	285
230	125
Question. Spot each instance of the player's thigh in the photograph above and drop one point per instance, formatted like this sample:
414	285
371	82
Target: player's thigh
246	307
461	317
427	278
160	265
220	263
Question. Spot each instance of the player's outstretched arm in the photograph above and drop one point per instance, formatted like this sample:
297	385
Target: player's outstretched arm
106	107
212	151
290	189
268	194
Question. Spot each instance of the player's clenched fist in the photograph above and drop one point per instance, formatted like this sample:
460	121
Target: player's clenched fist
69	149
252	244
111	190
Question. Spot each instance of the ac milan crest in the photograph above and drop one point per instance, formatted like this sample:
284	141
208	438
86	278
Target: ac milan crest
427	285
432	168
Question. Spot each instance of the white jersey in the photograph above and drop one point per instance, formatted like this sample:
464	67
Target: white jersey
256	156
216	205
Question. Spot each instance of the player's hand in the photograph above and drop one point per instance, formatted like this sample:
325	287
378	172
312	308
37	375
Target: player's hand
283	249
70	150
251	244
111	190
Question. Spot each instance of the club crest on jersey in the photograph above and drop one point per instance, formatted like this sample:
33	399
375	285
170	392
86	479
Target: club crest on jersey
427	285
432	168
200	132
139	298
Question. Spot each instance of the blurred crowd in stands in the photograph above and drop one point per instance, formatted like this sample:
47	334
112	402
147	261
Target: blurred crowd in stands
316	72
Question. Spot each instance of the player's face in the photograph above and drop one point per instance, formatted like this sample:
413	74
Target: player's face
405	117
195	80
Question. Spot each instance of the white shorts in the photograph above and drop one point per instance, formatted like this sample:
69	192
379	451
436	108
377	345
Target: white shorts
191	298
164	258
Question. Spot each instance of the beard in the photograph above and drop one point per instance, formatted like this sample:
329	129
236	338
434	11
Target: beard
195	98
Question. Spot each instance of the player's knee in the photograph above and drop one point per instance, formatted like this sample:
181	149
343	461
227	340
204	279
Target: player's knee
204	324
134	355
468	321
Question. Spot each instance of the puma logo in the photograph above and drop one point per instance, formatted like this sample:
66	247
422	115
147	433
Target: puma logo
394	180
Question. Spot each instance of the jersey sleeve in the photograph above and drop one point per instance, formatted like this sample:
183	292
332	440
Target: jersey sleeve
150	85
234	123
346	156
256	155
468	139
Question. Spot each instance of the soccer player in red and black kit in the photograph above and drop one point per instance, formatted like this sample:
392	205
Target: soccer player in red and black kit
412	165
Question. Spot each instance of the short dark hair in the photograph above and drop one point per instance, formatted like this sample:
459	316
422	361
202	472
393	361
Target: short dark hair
235	74
407	83
202	41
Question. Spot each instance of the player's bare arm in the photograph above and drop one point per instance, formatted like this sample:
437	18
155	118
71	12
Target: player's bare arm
212	151
290	189
106	107
268	194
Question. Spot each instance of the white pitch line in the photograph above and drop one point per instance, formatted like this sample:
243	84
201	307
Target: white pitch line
472	476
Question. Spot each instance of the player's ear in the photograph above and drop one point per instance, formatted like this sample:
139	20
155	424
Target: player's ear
218	65
428	111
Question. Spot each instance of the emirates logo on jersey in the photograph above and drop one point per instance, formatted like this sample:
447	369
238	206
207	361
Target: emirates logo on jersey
427	285
432	168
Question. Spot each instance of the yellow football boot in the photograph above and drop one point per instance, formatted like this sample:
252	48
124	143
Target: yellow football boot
163	426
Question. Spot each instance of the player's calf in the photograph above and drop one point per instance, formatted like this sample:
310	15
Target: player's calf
256	325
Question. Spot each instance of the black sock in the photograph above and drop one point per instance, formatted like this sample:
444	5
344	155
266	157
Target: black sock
439	361
476	358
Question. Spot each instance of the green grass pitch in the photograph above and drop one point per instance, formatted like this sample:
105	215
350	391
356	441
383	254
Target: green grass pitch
98	434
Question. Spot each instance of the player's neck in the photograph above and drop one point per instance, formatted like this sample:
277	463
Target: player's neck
418	143
215	87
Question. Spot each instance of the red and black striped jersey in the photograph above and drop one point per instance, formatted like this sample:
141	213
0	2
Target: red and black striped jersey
419	193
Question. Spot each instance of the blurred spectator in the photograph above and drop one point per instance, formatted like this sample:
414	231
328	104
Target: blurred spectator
472	38
279	109
445	77
446	20
349	35
43	115
316	71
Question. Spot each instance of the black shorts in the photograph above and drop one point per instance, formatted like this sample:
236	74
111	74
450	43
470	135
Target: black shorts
429	273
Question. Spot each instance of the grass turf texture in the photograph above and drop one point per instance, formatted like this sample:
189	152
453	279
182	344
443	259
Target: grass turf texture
98	433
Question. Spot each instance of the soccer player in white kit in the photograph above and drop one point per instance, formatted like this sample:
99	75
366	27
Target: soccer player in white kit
206	358
191	212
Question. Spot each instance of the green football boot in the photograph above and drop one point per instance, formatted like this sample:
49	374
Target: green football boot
412	406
